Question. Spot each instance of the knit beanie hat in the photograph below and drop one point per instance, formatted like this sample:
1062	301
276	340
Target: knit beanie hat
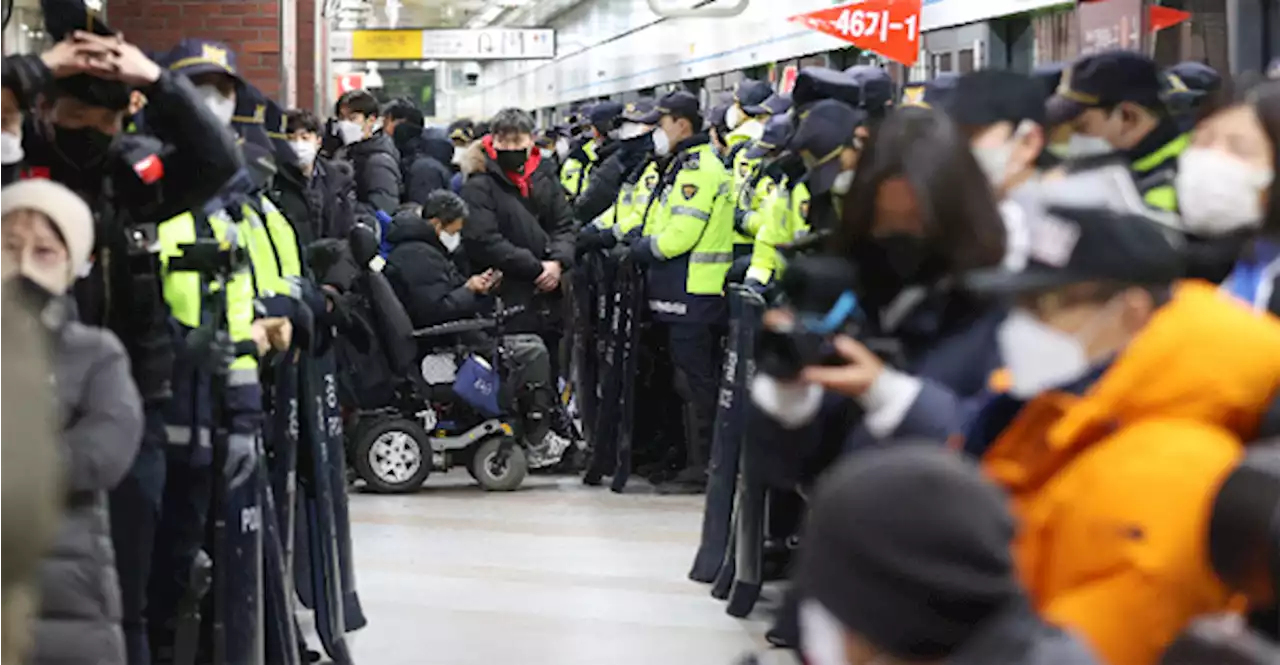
1244	526
909	547
68	212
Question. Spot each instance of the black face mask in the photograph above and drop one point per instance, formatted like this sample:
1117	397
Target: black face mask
8	173
512	161
893	262
83	148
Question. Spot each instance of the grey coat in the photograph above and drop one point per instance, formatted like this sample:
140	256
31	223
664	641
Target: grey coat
101	413
1017	636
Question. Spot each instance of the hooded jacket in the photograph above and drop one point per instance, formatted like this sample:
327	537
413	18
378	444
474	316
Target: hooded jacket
515	233
424	164
1114	486
101	417
377	170
428	279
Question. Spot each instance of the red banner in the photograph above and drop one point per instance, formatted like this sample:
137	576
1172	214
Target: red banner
890	28
1160	18
788	82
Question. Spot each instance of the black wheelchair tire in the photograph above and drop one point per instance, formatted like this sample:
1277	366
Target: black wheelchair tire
516	469
368	435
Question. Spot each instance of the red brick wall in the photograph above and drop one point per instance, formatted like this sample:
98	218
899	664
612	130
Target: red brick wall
251	29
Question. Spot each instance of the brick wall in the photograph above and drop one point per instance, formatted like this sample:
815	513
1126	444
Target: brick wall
250	28
305	57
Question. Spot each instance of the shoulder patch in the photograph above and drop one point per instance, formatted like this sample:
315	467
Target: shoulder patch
651	180
804	209
770	187
744	169
689	191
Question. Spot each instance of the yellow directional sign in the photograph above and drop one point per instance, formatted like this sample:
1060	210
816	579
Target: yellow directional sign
386	44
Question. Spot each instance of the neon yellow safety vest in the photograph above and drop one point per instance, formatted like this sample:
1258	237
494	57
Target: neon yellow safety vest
628	213
273	249
575	175
184	292
1155	174
693	219
774	214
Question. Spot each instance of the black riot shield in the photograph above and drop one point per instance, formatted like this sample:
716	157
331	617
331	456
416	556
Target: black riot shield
318	575
608	363
242	622
744	563
278	514
722	480
630	305
583	363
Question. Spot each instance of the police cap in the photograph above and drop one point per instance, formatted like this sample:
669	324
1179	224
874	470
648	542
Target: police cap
815	83
774	105
1196	76
716	117
637	110
194	57
989	96
826	128
462	129
1049	76
877	87
679	104
1105	80
750	92
604	113
274	123
777	135
938	92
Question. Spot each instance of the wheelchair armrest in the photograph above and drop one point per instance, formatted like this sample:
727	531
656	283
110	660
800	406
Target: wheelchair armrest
454	327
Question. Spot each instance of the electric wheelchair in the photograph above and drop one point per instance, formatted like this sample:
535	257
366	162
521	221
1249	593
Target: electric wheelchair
450	403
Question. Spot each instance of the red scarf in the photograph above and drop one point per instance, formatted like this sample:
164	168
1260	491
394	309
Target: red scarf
519	178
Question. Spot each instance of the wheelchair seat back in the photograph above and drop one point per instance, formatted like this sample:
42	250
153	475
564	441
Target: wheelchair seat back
390	320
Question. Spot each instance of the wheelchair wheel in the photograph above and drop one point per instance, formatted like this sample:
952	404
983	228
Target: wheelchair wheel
494	473
392	455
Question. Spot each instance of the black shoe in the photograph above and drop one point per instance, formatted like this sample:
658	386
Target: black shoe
692	480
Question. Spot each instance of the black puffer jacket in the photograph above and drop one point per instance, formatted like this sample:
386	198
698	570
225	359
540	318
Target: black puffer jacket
377	169
430	281
516	233
102	428
424	163
321	206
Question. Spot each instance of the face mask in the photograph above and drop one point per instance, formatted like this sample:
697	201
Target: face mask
10	148
842	183
1039	357
1218	193
350	131
450	240
458	152
30	292
223	108
661	143
734	117
562	148
512	161
305	150
632	130
82	147
994	160
1082	145
547	153
821	635
903	254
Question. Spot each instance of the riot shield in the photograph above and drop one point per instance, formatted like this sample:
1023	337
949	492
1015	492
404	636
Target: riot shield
607	351
584	366
630	308
242	614
726	445
278	515
320	579
747	565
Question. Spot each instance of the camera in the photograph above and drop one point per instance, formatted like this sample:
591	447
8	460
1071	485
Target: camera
471	72
821	291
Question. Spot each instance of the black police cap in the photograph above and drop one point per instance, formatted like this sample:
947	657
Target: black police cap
1196	76
604	113
750	92
1074	245
826	128
989	96
679	104
817	83
716	117
938	92
774	105
63	17
777	136
637	110
1104	80
193	57
877	87
1049	76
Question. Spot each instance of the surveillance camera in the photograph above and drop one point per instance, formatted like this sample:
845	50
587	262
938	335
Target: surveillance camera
471	72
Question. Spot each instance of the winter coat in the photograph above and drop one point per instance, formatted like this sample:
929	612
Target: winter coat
321	206
429	280
514	233
1016	636
424	164
377	170
102	428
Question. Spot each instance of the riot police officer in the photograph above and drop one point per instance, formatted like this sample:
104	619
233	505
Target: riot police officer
688	245
575	175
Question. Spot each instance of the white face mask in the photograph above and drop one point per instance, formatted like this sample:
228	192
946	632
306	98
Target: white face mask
547	153
1083	145
994	160
223	108
450	240
350	131
661	143
458	152
821	635
305	150
10	148
562	147
840	186
1040	357
633	130
734	117
1218	193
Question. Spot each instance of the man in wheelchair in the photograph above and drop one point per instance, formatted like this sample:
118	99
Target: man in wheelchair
428	270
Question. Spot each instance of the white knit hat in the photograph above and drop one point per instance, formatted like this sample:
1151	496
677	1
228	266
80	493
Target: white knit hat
68	212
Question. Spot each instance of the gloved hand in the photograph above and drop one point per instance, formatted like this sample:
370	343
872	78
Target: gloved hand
209	349
242	459
589	239
608	239
641	252
755	285
740	220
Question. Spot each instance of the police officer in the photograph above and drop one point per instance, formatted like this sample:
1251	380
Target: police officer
746	176
613	176
1187	86
1110	102
828	141
775	181
689	247
876	89
575	175
935	93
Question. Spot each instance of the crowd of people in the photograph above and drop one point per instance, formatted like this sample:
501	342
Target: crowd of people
1008	383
